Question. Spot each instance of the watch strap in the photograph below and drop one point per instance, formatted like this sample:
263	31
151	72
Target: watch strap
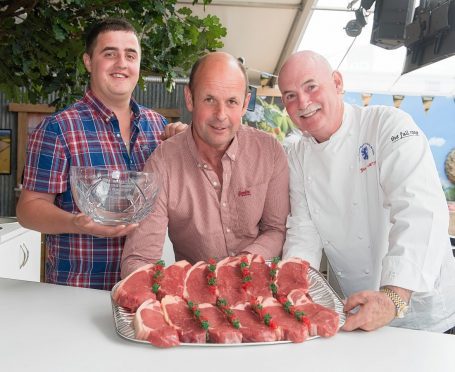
401	307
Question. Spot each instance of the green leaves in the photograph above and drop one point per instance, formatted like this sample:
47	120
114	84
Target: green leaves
45	49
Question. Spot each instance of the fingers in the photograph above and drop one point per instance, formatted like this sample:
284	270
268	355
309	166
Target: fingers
172	129
368	310
87	226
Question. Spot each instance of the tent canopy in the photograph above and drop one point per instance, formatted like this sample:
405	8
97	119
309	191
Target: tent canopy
266	32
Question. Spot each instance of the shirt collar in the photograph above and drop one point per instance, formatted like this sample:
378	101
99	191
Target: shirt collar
104	111
231	151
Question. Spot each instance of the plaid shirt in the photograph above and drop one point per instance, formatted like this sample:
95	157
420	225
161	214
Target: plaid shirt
87	133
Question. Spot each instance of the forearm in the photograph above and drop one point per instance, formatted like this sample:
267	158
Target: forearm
43	216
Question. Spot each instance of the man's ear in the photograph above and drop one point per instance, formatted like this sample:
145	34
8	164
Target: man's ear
338	80
245	103
87	62
188	98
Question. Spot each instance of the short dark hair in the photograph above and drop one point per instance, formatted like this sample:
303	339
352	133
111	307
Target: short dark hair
198	64
107	24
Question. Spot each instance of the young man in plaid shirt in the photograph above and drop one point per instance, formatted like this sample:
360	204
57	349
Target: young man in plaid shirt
105	129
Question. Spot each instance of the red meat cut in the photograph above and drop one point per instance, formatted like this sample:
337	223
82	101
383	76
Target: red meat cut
292	274
173	279
260	277
196	288
149	325
288	327
229	281
136	288
178	316
324	322
220	330
252	328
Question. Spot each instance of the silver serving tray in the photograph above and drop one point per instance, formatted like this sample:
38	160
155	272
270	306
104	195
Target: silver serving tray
319	290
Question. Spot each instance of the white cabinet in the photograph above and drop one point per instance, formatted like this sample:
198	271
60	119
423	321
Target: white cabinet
20	252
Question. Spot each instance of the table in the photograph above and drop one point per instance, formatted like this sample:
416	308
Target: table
46	327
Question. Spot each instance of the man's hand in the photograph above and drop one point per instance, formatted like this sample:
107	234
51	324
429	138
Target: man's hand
87	226
375	310
172	129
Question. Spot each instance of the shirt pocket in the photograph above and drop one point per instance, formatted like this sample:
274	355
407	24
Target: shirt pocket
249	202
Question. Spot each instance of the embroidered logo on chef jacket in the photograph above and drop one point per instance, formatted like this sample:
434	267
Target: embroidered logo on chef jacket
404	134
367	157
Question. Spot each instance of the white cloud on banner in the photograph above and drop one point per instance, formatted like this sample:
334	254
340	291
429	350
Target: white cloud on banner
437	141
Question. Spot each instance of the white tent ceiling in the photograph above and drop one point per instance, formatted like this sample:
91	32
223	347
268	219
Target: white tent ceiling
265	32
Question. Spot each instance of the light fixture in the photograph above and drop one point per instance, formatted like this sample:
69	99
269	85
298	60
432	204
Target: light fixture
354	27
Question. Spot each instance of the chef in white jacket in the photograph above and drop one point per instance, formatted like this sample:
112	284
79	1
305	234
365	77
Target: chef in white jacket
364	188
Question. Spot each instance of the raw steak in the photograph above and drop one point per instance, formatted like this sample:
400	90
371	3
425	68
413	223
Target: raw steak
173	279
288	327
195	287
132	291
149	325
260	277
292	274
178	316
220	330
252	328
324	321
229	281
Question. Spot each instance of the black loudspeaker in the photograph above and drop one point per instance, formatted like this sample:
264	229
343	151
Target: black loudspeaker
389	23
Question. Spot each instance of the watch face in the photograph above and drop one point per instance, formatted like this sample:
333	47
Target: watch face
401	311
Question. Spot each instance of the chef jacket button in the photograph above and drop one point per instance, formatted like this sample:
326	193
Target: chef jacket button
205	166
214	183
224	204
360	237
340	274
326	242
228	229
309	178
199	165
366	271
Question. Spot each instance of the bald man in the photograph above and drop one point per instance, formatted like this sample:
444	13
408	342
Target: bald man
225	186
364	188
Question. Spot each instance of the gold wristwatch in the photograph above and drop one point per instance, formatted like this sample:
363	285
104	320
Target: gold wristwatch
400	305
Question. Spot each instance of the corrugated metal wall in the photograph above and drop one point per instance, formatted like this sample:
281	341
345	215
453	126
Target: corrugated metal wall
8	120
155	96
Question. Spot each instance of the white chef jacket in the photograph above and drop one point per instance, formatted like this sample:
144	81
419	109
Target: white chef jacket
371	197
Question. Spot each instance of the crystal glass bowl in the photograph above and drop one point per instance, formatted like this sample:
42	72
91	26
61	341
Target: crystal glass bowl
113	197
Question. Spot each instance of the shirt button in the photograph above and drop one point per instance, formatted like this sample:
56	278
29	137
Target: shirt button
309	178
224	204
205	166
366	271
340	274
214	183
326	242
118	135
228	229
360	237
